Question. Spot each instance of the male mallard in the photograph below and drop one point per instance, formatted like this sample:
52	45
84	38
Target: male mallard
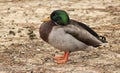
68	35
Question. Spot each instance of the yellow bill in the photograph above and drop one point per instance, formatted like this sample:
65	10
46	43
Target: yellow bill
46	19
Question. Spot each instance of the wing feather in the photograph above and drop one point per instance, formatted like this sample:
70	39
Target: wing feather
82	34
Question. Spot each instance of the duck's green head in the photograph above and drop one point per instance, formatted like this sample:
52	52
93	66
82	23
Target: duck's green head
60	17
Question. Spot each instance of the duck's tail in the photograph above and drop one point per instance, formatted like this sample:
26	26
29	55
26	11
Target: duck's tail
103	39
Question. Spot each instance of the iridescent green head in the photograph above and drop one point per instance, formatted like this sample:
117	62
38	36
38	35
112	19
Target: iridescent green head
60	17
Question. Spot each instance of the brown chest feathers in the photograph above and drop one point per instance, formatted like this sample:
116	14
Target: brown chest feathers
45	30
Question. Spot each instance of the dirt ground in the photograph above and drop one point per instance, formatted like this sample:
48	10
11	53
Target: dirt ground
23	51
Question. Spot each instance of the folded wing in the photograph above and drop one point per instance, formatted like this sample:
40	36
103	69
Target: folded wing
83	33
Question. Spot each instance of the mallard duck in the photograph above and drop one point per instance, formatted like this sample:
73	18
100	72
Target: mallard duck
68	35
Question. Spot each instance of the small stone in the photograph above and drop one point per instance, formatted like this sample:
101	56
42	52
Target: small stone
12	32
38	49
50	63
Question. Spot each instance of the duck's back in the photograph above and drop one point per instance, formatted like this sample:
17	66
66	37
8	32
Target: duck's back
83	33
84	26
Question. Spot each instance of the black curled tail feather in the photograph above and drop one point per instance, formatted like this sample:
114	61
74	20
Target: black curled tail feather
103	39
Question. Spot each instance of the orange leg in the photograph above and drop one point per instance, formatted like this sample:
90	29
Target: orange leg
63	59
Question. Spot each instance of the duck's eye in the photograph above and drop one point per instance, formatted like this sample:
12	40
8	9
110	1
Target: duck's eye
53	14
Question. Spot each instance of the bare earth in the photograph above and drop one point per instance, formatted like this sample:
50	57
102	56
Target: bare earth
22	51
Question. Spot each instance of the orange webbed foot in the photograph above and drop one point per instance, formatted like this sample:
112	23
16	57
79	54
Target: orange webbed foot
62	59
59	57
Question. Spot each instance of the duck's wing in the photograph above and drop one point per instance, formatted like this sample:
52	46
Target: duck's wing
85	27
83	33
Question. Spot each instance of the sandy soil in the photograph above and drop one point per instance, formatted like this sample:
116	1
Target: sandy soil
22	51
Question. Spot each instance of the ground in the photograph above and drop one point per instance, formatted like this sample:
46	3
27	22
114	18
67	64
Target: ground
23	51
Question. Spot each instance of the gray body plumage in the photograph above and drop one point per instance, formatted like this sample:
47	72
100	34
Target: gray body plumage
72	37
